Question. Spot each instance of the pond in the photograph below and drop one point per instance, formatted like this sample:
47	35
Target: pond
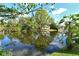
18	48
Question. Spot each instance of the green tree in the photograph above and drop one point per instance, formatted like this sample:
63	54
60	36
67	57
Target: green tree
70	25
29	30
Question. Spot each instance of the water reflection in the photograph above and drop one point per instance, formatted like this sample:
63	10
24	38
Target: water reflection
18	48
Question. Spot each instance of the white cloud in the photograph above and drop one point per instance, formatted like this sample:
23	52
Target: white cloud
59	11
52	7
0	17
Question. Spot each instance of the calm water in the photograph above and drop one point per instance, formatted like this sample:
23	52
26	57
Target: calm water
19	48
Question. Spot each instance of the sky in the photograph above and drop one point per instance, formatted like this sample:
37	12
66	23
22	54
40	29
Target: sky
62	9
65	9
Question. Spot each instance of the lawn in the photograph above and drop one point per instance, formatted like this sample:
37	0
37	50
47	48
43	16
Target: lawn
74	52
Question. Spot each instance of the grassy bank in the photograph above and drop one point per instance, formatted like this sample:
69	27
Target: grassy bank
73	52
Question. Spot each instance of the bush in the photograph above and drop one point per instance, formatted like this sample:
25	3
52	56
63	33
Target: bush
5	53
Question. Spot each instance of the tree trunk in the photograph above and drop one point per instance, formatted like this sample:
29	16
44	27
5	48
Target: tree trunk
69	38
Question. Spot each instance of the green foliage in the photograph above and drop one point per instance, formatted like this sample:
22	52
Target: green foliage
53	26
42	42
1	36
12	30
77	40
69	42
26	29
72	25
5	53
42	17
